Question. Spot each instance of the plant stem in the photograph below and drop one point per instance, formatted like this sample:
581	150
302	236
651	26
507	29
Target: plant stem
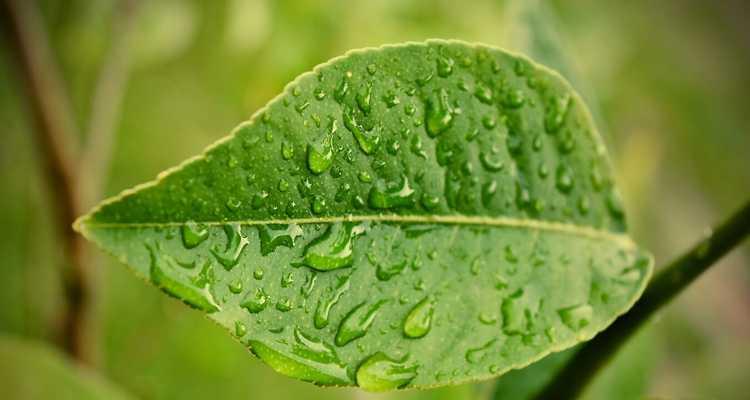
56	136
673	279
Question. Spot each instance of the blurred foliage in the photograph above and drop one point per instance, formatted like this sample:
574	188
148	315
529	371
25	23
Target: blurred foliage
670	80
34	370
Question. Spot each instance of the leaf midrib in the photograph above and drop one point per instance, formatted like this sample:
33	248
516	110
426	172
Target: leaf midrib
507	222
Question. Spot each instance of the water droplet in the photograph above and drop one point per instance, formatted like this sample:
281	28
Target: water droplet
371	69
357	322
429	201
380	373
193	234
332	249
417	324
255	302
489	121
477	354
287	279
555	113
564	178
490	164
341	90
364	98
514	99
319	93
309	361
235	286
287	150
444	66
236	243
273	236
384	198
169	277
239	329
323	310
386	272
483	93
367	143
391	100
284	304
258	274
576	317
438	113
320	158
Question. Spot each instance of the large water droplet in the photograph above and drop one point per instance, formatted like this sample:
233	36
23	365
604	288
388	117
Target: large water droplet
357	322
332	249
438	113
380	373
418	322
193	234
302	366
273	236
392	197
236	243
170	278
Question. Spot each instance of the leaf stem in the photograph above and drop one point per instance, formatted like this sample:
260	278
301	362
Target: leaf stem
570	382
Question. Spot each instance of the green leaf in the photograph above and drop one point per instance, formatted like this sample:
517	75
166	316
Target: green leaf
36	371
413	215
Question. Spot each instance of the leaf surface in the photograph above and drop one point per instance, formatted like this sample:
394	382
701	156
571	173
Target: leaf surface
413	215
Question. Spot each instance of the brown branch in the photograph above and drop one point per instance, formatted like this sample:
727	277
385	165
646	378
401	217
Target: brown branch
105	105
56	136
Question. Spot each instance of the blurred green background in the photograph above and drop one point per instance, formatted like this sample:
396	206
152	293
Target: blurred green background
668	80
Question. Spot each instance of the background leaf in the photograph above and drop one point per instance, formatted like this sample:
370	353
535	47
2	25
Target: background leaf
403	216
37	371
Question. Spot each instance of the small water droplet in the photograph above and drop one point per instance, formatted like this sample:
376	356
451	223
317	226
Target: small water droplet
576	317
444	66
386	272
239	329
235	286
287	150
477	354
483	93
255	302
258	274
556	111
284	304
564	178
